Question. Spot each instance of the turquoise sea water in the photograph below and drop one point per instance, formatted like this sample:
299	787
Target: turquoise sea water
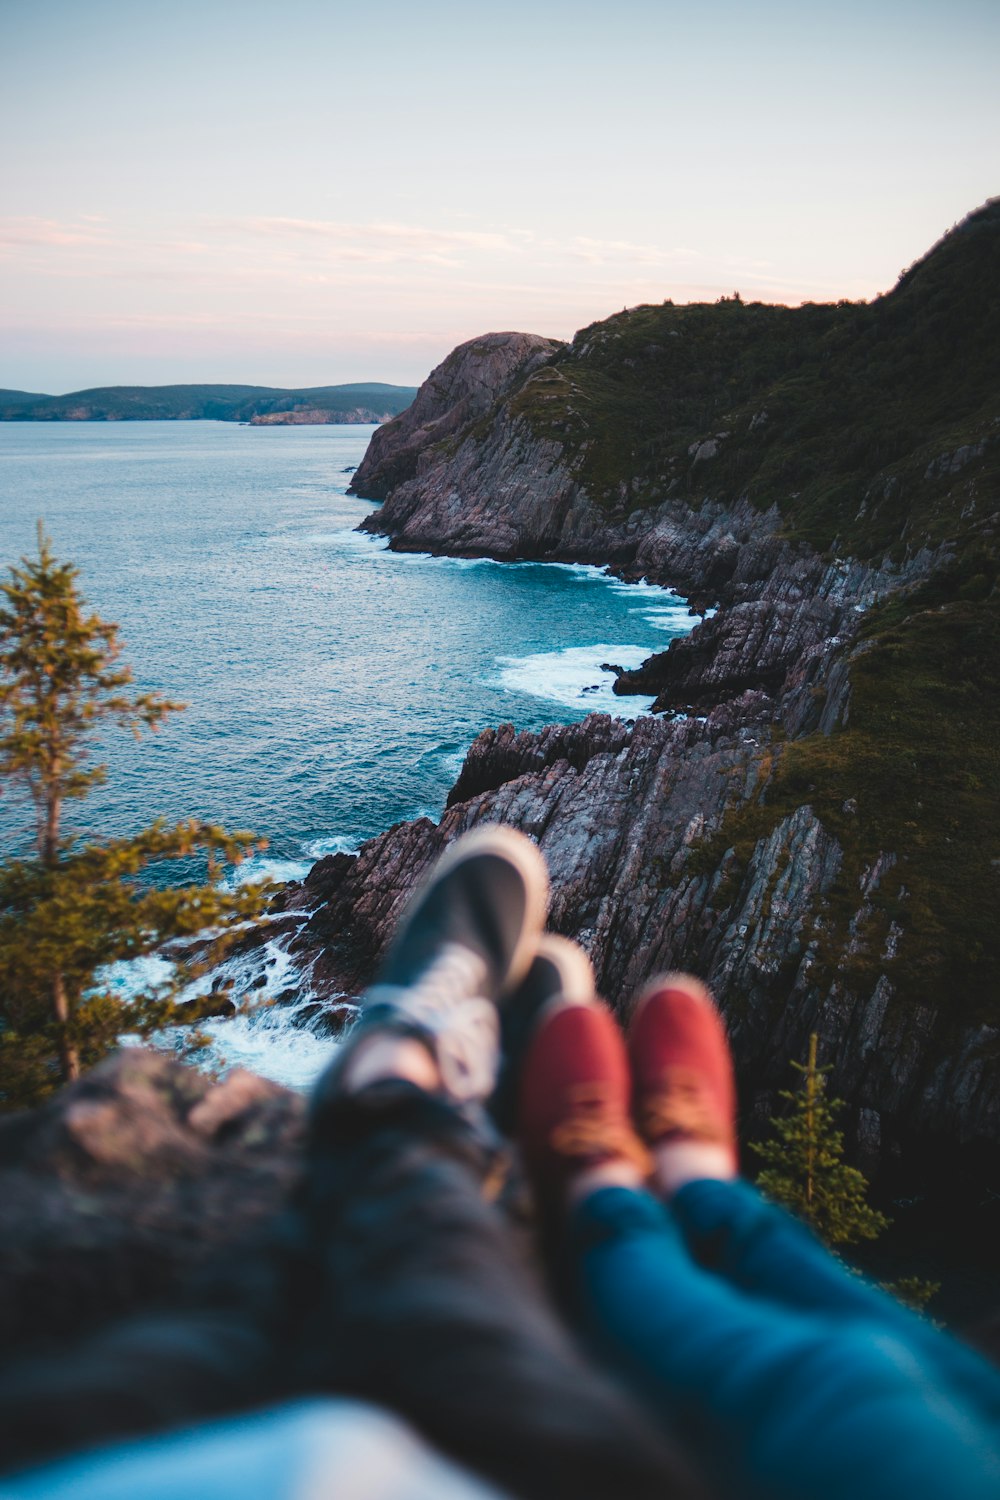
332	686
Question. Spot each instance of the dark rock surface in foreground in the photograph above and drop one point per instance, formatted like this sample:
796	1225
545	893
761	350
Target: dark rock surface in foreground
119	1192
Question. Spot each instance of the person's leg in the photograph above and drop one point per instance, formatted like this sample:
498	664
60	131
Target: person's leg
423	1303
685	1105
398	1281
791	1404
420	1298
784	1403
729	1228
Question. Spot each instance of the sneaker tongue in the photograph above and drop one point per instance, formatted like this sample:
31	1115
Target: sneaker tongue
468	1050
446	1004
456	974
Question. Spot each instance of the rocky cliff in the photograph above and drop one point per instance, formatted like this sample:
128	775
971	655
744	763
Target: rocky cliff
810	824
462	389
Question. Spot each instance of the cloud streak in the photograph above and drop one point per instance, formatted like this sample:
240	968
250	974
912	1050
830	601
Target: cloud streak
386	242
307	288
26	231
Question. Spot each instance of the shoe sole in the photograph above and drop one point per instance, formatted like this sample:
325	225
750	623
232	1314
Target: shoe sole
517	850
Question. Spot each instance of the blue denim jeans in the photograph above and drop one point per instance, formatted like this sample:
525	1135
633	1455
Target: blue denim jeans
791	1376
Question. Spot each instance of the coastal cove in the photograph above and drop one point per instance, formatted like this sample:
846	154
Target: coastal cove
333	686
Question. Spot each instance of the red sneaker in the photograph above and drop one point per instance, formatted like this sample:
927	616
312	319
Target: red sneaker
682	1070
574	1096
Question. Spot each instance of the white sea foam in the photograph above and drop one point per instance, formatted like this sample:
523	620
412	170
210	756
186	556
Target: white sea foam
135	976
673	618
263	1038
334	843
267	867
574	678
266	1043
342	535
453	761
263	867
345	539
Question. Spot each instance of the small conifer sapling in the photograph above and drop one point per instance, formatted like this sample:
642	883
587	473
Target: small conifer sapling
804	1164
805	1171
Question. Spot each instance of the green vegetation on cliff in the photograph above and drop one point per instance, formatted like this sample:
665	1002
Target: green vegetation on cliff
914	773
872	426
804	1167
875	431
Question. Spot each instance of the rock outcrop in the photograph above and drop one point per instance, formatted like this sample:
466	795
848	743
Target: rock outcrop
623	814
462	389
317	416
122	1190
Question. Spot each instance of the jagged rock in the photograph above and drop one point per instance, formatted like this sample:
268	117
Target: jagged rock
500	755
622	814
631	817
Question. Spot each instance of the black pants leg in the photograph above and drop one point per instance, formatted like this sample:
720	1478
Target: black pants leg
421	1303
389	1278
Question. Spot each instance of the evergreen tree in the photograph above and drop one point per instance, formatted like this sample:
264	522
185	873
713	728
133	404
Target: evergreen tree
74	908
805	1168
805	1171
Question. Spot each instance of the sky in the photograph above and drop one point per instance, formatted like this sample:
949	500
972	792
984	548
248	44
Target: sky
317	192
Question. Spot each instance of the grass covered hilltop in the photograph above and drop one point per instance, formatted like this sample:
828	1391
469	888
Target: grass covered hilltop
257	404
857	419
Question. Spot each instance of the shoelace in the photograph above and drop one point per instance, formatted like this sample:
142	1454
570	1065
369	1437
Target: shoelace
448	1001
454	976
682	1105
595	1128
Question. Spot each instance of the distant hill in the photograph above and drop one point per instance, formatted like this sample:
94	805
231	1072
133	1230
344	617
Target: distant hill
371	401
19	396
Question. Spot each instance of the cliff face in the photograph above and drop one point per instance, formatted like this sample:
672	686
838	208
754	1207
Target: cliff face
624	815
461	390
816	835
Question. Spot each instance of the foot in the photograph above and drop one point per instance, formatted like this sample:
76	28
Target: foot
464	942
574	1123
559	968
684	1098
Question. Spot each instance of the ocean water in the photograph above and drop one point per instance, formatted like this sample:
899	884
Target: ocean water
332	686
